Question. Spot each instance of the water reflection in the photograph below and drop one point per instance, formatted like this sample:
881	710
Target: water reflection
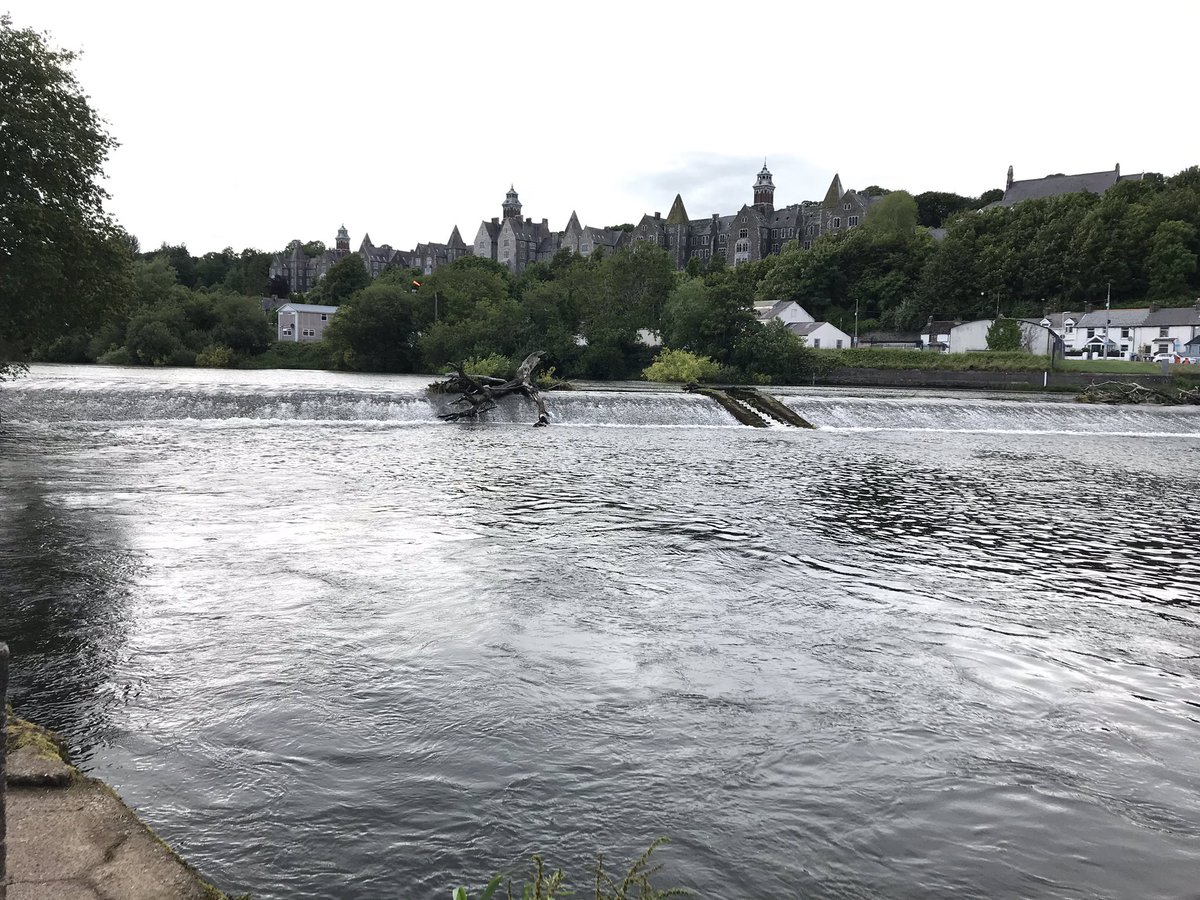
64	598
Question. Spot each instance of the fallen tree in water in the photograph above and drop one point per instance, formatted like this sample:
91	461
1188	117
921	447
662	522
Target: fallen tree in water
480	392
1131	392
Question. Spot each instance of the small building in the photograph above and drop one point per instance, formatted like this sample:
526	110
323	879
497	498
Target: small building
889	340
936	335
303	321
1036	338
821	335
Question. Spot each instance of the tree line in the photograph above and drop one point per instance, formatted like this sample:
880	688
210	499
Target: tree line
75	287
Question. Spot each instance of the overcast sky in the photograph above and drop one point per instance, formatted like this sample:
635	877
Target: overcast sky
248	124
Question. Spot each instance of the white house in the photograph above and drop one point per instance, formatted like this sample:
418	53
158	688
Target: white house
303	321
1141	331
821	335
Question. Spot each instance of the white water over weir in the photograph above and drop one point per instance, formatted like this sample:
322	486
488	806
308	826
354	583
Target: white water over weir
60	394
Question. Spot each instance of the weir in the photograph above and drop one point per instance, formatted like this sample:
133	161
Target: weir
63	394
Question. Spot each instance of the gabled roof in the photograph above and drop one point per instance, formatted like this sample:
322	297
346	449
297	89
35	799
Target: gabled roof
456	240
804	328
1055	185
677	215
573	223
834	194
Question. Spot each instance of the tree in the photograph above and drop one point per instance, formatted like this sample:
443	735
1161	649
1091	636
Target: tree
64	264
895	214
343	279
376	330
935	207
1004	334
1172	264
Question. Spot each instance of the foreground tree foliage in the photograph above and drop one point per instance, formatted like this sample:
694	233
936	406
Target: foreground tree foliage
64	264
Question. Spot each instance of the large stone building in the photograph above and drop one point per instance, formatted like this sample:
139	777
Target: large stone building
302	272
1057	185
514	240
756	230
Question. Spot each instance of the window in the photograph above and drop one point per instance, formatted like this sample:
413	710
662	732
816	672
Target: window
585	248
324	317
852	221
807	245
743	233
505	242
1091	332
837	221
845	206
1164	332
839	344
287	332
816	342
1124	332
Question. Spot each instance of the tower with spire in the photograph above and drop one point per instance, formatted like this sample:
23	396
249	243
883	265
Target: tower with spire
764	191
512	205
343	239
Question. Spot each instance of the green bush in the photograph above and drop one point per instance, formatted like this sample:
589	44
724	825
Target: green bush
681	366
493	366
215	356
291	355
117	356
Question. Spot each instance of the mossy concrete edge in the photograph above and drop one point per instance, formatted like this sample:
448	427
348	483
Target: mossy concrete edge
22	734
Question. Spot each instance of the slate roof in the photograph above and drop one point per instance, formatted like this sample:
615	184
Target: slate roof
888	337
804	328
308	308
1056	185
1185	315
1124	318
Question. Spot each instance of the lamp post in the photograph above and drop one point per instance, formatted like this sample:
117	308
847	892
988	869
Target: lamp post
1107	318
854	343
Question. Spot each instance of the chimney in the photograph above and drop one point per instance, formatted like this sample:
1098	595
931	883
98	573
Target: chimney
1118	171
658	215
495	220
1154	307
1008	183
1088	308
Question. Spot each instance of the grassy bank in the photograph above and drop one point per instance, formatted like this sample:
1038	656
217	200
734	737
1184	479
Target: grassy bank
860	358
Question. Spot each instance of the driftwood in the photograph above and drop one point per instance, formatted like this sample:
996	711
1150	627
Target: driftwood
1130	392
480	392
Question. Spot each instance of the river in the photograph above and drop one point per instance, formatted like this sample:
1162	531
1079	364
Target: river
330	647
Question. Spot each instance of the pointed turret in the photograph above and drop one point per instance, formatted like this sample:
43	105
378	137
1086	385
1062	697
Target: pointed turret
366	242
573	223
678	215
456	240
764	191
834	194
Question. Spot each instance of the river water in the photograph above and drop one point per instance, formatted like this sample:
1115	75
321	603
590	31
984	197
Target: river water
328	646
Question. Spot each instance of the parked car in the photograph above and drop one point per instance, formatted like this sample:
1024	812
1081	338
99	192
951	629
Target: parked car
1173	358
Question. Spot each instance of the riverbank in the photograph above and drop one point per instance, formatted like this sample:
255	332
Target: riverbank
70	837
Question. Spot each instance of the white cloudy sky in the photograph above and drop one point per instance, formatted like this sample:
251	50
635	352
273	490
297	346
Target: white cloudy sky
250	123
